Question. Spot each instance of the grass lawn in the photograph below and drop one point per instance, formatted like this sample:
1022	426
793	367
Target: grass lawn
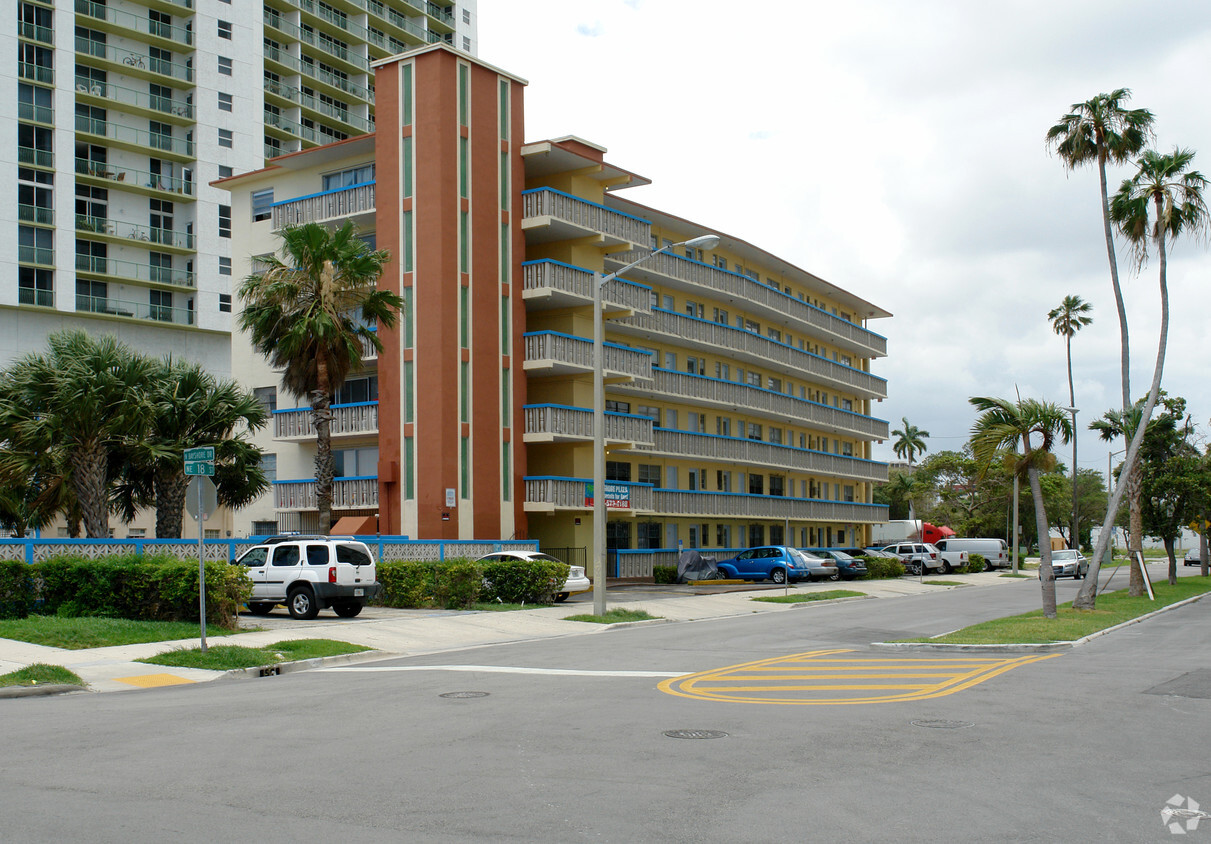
945	583
1011	574
613	617
40	674
827	595
90	632
1112	608
228	657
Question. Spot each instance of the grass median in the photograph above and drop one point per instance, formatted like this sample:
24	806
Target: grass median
230	657
1112	608
40	674
92	632
803	597
613	617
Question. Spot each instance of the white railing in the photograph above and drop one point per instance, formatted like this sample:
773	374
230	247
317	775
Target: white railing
348	419
547	202
322	207
555	277
555	422
672	502
347	494
569	494
548	348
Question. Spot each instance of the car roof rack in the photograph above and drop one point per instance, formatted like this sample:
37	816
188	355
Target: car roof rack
291	537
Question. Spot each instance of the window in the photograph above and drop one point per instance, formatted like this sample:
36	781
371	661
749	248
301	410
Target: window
358	390
225	138
753	379
225	29
650	411
776	485
347	178
224	66
35	287
224	101
774	384
723	480
267	396
754	431
224	266
356	462
225	171
224	221
775	435
723	371
695	309
649	474
721	316
695	366
723	536
723	426
617	470
670	360
466	15
267	527
161	305
756	484
225	303
262	204
612	406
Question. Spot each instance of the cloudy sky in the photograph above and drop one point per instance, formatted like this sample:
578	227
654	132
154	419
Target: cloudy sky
895	148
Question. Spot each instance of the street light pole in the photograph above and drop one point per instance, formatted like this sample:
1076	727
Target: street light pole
708	241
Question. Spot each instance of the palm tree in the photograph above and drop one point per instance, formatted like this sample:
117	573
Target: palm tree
1097	131
192	408
63	414
1001	425
1114	424
910	442
309	312
1166	185
1070	317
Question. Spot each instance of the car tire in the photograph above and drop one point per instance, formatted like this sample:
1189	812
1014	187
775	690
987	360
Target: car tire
348	609
778	576
946	569
914	569
301	604
562	596
261	608
834	577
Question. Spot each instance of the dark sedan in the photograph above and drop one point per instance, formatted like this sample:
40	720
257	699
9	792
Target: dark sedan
850	568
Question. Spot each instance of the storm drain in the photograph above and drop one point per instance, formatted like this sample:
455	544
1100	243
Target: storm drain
695	734
941	724
463	694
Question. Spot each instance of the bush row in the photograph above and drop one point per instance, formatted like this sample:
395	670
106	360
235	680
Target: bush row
459	583
143	588
976	562
16	589
879	568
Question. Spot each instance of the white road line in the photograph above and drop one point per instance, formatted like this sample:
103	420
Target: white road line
504	669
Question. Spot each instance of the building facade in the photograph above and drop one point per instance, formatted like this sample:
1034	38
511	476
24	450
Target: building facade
739	387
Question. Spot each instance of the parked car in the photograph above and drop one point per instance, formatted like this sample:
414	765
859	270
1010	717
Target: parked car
576	582
918	557
778	563
310	573
1192	558
848	567
994	551
1068	563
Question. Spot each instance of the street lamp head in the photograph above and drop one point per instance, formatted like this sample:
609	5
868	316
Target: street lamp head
1073	410
706	241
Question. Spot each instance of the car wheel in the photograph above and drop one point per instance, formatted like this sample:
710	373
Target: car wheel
778	575
914	569
835	577
301	604
946	569
348	609
260	608
562	596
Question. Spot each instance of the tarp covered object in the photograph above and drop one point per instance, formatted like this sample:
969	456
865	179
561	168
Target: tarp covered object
693	566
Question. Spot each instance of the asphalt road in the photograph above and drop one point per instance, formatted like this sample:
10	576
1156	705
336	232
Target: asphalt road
570	744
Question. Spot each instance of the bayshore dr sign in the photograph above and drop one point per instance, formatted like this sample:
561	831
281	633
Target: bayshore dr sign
617	496
199	461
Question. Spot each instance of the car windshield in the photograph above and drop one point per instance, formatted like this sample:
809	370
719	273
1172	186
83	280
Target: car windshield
841	555
1063	555
543	557
803	556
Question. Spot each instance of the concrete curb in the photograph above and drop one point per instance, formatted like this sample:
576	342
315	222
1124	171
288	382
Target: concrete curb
39	691
304	665
1023	647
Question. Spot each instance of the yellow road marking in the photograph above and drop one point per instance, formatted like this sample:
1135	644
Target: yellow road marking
803	679
148	681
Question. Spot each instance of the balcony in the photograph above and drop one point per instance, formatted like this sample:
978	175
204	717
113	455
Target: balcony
757	298
173	37
751	347
551	284
347	494
554	423
43	256
552	353
291	94
36	73
112	269
551	215
354	202
290	128
36	296
548	494
731	396
147	236
136	140
736	505
36	157
139	181
132	63
686	444
38	214
109	95
34	32
327	45
133	310
36	113
359	419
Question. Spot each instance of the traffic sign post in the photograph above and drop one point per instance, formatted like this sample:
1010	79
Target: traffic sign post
200	462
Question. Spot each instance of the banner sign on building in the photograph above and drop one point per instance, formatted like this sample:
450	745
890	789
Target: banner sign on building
617	496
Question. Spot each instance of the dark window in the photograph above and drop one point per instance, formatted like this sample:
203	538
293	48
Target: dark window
225	303
225	29
756	484
224	221
616	470
317	555
262	204
286	555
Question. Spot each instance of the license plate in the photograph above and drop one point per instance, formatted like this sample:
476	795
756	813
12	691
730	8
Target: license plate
357	593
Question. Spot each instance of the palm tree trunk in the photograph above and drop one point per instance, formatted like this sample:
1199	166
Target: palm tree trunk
325	468
1046	572
89	465
1074	538
170	487
1124	354
1135	527
1086	599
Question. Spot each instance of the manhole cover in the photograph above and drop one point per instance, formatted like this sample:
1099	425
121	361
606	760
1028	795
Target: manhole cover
464	694
938	724
695	734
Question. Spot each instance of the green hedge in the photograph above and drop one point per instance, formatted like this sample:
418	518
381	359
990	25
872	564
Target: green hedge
878	568
523	582
664	574
459	583
16	589
143	588
976	563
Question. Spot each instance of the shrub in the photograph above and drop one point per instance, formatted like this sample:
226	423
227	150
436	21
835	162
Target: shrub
405	584
16	589
457	583
664	574
524	582
878	568
976	563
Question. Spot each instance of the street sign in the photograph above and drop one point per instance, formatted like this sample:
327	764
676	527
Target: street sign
210	497
199	461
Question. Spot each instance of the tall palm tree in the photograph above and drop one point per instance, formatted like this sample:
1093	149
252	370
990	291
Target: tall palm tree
1094	132
1002	425
1113	424
910	441
1163	200
309	312
1066	320
63	414
192	408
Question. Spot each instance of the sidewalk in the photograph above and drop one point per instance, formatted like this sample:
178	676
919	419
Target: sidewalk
393	632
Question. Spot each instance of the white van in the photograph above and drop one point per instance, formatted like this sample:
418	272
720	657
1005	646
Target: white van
994	551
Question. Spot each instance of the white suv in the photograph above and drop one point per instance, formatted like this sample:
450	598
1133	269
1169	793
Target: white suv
918	557
310	573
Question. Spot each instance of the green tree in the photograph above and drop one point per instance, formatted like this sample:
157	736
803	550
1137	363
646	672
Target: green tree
1163	200
308	313
910	441
1001	425
64	413
1066	320
1094	132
